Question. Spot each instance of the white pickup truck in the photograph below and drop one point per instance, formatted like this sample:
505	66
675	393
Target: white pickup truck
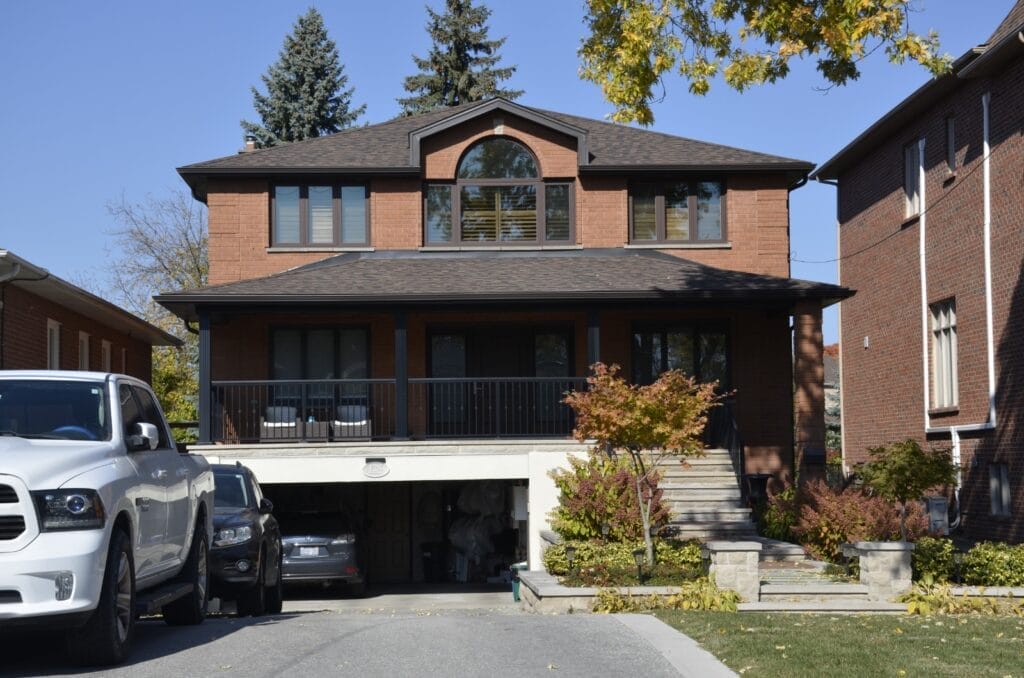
102	518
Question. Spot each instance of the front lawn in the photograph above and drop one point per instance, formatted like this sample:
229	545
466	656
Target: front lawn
758	644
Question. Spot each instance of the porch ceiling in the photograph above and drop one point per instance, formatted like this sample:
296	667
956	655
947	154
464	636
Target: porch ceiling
421	278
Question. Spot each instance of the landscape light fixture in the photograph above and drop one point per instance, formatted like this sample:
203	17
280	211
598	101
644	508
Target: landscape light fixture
958	565
705	560
605	529
638	556
570	555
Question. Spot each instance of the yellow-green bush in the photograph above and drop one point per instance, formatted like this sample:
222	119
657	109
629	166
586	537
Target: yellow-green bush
700	594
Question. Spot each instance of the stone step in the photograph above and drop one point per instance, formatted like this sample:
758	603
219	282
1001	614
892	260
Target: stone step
687	484
705	476
813	592
825	607
711	533
777	551
705	515
698	494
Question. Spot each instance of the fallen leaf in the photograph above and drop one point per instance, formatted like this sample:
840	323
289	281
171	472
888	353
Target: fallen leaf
552	667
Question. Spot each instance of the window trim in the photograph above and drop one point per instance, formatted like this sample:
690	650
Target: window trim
945	355
53	332
106	355
83	355
541	183
912	203
660	188
304	243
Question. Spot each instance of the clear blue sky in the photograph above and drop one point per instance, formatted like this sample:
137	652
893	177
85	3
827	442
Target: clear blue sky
100	99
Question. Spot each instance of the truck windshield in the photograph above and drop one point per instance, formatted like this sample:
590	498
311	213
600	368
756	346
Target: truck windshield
69	410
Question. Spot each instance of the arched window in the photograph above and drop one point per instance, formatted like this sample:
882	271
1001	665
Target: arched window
498	197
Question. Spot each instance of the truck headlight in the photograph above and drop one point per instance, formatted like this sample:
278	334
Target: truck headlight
69	510
232	535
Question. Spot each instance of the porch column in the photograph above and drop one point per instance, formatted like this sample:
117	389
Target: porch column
401	377
593	337
205	413
809	393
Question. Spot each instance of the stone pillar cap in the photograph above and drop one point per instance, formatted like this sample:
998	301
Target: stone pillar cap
884	545
733	545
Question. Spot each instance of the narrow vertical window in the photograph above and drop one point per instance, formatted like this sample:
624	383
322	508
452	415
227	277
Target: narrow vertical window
320	215
645	214
557	218
951	144
353	215
83	351
944	354
999	489
438	213
105	355
52	345
912	179
286	215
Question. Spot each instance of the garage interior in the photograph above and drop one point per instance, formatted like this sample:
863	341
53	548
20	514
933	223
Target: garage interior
467	532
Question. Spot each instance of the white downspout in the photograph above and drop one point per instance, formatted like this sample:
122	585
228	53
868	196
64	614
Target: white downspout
922	224
990	423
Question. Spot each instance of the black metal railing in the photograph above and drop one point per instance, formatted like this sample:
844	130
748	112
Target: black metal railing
723	433
367	409
500	407
296	410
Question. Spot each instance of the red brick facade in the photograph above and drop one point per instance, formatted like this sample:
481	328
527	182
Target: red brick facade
24	338
884	371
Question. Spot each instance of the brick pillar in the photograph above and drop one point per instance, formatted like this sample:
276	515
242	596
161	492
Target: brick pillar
809	390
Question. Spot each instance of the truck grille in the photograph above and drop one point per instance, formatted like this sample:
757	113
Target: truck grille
11	527
8	495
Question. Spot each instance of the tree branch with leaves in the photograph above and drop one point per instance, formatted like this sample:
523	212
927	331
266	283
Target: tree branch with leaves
634	44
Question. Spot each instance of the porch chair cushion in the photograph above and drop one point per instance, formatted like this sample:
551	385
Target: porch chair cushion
353	421
282	421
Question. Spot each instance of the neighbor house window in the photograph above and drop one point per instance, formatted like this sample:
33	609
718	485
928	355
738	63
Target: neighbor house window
999	489
328	215
105	355
498	198
83	351
944	348
701	352
677	212
52	344
124	361
912	179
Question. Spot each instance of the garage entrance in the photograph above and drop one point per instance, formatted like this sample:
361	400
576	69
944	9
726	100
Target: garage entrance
443	532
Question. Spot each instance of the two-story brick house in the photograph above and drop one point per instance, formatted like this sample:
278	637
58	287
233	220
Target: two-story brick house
931	218
396	311
49	323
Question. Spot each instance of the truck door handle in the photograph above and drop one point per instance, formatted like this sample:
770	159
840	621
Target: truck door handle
142	503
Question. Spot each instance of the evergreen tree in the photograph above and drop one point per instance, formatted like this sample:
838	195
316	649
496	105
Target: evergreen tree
306	95
462	63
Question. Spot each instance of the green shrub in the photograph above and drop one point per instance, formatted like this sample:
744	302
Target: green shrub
607	560
599	491
933	558
701	594
994	564
780	515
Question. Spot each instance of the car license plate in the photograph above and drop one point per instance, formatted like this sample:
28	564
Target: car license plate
309	550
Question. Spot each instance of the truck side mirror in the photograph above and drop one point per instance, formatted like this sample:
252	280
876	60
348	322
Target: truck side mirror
145	437
266	506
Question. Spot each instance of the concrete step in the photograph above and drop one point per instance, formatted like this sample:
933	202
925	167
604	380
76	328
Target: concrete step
698	494
711	533
704	476
822	591
825	607
779	551
687	484
705	515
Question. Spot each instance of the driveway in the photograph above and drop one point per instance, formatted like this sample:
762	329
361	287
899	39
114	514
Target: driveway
382	640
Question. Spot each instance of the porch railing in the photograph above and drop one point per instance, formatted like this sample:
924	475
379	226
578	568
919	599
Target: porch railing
366	409
722	432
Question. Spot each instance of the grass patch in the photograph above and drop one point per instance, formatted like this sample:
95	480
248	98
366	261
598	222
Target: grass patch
857	645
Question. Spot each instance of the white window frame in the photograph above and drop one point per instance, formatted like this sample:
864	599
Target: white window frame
945	390
83	351
52	344
105	355
124	361
912	178
999	489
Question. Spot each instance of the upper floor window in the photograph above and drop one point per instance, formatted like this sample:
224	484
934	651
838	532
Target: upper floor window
320	216
83	351
677	212
498	198
944	350
52	344
912	179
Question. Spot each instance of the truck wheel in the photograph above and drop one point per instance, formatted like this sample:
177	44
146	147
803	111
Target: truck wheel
191	609
107	636
252	601
275	592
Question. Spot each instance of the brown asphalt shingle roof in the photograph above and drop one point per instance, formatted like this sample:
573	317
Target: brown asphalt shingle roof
573	275
386	146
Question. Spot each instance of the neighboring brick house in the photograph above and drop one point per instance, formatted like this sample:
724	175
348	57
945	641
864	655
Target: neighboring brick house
397	310
48	323
931	234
